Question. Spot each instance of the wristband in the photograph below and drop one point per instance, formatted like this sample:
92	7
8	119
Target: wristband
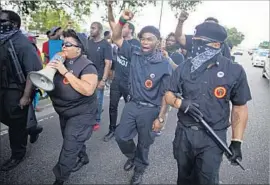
122	21
65	73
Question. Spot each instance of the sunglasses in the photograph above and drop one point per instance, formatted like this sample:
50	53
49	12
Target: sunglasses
4	20
68	44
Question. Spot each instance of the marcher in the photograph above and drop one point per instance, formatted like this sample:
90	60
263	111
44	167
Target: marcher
45	49
119	85
207	83
144	113
172	47
75	101
16	89
186	40
100	53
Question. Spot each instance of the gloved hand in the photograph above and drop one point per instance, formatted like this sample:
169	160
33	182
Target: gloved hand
235	148
191	109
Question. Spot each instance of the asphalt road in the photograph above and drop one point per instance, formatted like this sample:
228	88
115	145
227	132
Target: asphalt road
106	160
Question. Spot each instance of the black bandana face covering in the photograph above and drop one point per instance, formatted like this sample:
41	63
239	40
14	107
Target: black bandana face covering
5	28
202	53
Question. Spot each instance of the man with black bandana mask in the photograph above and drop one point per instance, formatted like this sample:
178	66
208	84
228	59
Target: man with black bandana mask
207	83
144	114
186	40
15	94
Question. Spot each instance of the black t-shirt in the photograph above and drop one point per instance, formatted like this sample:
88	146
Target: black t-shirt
98	52
177	57
121	64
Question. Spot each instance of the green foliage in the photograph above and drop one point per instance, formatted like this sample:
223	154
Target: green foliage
27	7
186	5
234	36
264	45
46	18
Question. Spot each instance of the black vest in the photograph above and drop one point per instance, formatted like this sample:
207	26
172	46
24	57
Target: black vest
67	101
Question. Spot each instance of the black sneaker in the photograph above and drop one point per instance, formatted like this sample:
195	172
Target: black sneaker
109	136
129	165
58	182
34	136
10	164
81	162
136	178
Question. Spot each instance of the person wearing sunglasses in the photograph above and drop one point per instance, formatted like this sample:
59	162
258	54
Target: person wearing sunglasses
208	84
144	113
15	93
75	100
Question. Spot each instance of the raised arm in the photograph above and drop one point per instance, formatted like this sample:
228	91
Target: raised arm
180	37
111	19
117	31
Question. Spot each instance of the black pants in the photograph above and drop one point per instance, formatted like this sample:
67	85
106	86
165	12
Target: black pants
198	157
16	119
116	92
75	131
136	119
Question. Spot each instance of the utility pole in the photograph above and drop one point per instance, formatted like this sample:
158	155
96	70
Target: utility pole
161	11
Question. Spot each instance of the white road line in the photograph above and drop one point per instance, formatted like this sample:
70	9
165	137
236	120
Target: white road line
4	132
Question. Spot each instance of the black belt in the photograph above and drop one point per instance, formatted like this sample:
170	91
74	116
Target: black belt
146	104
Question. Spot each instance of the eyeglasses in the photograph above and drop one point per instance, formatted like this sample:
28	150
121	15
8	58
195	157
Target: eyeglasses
68	44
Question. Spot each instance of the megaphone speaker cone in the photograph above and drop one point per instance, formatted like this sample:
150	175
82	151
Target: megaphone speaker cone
43	79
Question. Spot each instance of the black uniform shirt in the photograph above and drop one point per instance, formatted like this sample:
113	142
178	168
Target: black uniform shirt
27	57
147	79
98	52
212	88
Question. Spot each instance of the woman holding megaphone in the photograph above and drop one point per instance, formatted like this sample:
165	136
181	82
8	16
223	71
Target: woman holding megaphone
75	101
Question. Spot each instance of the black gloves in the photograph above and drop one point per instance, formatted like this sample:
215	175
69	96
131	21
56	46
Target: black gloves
235	148
191	109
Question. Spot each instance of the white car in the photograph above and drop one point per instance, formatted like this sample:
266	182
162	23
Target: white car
260	58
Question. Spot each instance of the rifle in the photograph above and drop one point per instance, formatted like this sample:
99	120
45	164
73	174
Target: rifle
219	142
16	63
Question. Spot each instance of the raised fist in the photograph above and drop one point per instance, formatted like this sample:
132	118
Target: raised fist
183	16
127	15
109	2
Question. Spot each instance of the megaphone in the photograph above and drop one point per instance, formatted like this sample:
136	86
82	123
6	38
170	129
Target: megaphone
43	79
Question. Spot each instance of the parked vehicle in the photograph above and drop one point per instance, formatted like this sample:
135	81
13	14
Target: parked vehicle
260	58
238	52
266	68
250	52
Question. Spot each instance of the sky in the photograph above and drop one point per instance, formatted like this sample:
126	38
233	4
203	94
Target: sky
249	17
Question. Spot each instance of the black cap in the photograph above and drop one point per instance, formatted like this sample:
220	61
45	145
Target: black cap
83	41
150	29
211	31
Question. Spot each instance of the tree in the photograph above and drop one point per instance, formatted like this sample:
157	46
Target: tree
46	18
234	36
264	45
136	5
186	5
27	7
